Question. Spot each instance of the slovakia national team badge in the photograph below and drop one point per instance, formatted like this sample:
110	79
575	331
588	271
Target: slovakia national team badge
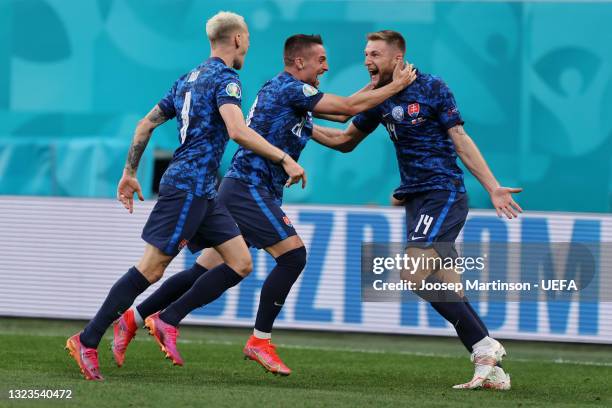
414	109
287	221
398	113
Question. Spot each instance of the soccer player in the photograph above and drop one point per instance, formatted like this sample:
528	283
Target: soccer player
252	191
427	130
206	102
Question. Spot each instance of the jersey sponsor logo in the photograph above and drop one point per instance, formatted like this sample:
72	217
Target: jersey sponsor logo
414	109
233	89
287	221
398	113
309	90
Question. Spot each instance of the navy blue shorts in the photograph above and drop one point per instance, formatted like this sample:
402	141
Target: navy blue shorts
180	219
257	212
434	219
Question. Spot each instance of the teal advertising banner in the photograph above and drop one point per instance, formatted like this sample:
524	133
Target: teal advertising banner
532	80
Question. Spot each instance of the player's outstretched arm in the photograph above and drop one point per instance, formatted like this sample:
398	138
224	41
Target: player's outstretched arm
342	140
128	185
403	75
249	139
501	197
341	118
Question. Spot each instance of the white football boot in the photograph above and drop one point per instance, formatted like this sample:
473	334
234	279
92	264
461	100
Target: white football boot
486	354
497	380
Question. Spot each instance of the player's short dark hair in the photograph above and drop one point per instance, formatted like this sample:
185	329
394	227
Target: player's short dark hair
390	37
297	44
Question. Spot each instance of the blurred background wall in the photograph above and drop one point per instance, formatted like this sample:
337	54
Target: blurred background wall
533	81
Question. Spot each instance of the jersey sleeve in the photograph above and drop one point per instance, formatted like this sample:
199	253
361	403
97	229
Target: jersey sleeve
166	104
229	89
448	113
367	121
303	96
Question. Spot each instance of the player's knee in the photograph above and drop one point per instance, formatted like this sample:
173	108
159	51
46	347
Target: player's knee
153	272
295	258
242	265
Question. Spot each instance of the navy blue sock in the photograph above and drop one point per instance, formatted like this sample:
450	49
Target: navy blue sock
119	298
479	320
207	288
475	315
277	285
172	288
453	308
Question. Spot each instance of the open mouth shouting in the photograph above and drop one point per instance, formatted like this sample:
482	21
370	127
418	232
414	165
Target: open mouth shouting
374	76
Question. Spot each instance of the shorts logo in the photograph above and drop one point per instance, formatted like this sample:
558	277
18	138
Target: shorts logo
398	113
309	90
232	89
182	244
414	109
287	221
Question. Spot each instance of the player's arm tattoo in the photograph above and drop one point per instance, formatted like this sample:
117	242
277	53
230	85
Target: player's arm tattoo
134	155
143	133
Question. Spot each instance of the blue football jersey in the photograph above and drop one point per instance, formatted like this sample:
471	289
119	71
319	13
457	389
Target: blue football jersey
195	99
282	114
417	120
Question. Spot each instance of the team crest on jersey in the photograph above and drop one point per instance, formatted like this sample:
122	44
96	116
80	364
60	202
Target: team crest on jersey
287	221
414	109
232	89
398	113
309	90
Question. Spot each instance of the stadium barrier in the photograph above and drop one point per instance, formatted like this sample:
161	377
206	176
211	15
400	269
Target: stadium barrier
60	256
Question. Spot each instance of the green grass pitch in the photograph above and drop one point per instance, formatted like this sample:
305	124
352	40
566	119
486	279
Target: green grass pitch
329	369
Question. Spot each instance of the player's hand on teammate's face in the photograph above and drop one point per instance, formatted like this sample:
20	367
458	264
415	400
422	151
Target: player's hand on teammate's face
294	171
404	74
129	185
503	202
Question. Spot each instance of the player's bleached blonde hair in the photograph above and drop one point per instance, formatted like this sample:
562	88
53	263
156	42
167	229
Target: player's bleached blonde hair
220	26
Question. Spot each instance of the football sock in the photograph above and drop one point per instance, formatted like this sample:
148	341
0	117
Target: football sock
479	320
475	315
172	289
276	287
206	289
452	307
118	300
261	335
138	319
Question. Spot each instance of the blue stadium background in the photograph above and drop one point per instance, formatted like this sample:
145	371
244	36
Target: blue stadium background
533	81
